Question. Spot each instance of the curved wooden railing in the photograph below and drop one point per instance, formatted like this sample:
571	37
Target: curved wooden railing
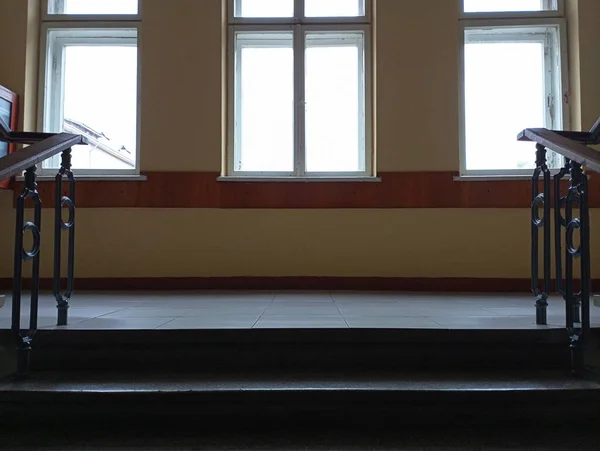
42	146
549	193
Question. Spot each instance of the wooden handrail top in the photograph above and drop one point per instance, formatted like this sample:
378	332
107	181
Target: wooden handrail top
564	146
588	138
16	162
7	135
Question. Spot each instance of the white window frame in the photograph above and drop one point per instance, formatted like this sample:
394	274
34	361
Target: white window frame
94	29
556	83
299	26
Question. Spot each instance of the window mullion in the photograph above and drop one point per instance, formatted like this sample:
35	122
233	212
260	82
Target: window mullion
549	82
362	155
58	6
299	100
299	88
237	156
299	10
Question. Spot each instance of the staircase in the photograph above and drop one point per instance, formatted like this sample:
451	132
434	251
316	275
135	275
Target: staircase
320	376
486	377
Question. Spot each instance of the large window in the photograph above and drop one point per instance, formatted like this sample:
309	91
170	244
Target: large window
90	82
299	97
514	77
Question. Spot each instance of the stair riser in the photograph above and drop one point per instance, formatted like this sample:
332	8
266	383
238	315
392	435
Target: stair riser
256	407
291	357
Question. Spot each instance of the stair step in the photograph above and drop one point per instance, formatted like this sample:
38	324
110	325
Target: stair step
369	375
411	397
298	350
48	382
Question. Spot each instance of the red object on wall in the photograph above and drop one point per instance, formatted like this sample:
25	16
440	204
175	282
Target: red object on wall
9	102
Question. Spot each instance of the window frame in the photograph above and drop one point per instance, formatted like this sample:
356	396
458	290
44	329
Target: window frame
559	80
299	26
90	28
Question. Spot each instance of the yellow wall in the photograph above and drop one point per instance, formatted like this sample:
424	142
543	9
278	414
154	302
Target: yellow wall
417	84
589	63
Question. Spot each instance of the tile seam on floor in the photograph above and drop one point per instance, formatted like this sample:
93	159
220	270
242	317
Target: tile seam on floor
339	311
488	309
263	312
439	324
168	322
109	313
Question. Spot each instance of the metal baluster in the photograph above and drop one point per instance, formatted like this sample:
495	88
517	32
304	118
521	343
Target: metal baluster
572	303
578	305
569	290
585	243
559	223
20	255
577	195
541	294
60	201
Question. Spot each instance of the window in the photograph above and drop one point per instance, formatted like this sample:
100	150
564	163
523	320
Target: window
514	77
90	82
481	6
299	99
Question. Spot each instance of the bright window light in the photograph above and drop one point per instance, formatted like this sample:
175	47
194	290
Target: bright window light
83	7
473	6
265	103
334	8
334	103
510	84
264	8
100	96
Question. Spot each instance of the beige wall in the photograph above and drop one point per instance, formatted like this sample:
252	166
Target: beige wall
13	45
417	84
589	61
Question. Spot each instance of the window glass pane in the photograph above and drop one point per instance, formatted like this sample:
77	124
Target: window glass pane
100	103
93	6
264	8
334	8
334	102
264	110
504	93
475	6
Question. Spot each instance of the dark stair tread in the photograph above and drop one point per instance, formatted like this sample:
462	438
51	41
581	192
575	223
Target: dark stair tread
131	382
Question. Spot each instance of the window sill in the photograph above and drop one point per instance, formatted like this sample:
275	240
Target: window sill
490	178
92	178
259	179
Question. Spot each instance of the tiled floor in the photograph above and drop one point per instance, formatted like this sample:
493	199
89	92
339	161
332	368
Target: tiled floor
245	310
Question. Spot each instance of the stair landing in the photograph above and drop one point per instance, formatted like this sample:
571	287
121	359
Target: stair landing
295	310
